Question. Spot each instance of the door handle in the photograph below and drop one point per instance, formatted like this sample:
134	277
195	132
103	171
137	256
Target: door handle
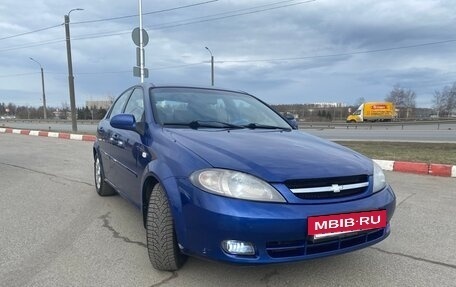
116	140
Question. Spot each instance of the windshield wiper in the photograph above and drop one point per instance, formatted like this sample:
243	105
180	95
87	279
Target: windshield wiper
260	126
213	124
222	125
206	124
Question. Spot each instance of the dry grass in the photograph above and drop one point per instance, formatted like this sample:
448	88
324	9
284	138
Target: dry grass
444	153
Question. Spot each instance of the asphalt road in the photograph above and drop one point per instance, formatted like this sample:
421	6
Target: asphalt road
412	135
366	132
56	231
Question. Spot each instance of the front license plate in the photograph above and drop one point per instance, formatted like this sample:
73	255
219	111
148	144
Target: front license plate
327	225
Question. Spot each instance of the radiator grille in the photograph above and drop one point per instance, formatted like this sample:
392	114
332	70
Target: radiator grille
332	187
281	249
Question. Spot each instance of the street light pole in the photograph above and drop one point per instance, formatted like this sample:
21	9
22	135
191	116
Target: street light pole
70	70
212	66
42	86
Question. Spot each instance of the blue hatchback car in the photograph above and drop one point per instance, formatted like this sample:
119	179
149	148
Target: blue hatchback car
220	175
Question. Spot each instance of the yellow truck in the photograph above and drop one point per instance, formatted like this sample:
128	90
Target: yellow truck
373	112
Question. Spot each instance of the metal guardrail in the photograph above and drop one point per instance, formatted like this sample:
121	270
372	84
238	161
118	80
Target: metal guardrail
370	125
302	124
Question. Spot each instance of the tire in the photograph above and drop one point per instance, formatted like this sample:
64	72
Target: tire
352	121
101	186
164	253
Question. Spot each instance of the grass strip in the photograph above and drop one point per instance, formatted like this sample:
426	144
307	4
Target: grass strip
444	153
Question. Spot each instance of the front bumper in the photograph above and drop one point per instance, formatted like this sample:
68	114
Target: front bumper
278	231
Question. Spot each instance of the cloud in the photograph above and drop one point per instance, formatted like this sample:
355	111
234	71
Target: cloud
310	31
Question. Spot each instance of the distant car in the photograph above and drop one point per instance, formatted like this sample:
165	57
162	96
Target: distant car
219	175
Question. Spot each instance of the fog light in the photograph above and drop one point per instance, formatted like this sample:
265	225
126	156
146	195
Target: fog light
237	247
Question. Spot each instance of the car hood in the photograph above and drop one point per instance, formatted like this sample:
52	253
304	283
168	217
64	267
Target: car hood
274	156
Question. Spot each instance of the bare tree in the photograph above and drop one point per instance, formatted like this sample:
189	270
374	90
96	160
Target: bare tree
445	101
64	111
402	98
2	109
359	101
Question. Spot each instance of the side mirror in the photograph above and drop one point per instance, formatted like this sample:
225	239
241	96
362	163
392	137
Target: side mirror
127	122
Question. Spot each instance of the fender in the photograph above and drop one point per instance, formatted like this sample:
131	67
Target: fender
157	171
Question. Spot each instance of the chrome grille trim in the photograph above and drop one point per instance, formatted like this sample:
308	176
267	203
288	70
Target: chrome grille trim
329	188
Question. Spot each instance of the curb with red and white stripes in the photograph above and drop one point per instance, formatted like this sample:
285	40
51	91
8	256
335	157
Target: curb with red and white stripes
418	167
67	136
390	165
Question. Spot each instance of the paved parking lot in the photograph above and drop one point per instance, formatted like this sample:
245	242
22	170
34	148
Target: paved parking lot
55	231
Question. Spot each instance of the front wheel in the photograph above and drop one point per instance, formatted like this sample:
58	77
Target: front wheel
164	253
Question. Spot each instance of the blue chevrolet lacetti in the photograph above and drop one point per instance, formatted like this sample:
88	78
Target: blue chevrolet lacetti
220	175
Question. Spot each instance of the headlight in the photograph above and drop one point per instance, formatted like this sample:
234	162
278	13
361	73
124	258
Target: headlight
235	184
379	178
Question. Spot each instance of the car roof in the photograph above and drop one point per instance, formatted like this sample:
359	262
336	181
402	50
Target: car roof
172	85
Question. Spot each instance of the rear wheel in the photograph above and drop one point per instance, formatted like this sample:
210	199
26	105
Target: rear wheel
102	188
162	245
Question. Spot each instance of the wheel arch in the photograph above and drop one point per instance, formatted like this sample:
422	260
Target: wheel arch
169	186
156	172
94	151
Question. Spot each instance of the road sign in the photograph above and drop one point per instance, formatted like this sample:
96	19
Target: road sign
138	56
135	37
137	72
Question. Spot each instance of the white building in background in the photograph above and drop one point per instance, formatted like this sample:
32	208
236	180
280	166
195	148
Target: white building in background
330	105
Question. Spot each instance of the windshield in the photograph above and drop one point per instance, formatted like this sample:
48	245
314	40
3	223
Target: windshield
187	106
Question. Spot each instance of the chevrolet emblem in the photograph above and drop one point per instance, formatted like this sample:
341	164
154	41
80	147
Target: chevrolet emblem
336	188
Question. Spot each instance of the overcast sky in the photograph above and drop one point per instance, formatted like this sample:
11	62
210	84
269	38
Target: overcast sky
280	51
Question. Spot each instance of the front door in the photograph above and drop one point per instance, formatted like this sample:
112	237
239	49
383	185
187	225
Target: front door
126	147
